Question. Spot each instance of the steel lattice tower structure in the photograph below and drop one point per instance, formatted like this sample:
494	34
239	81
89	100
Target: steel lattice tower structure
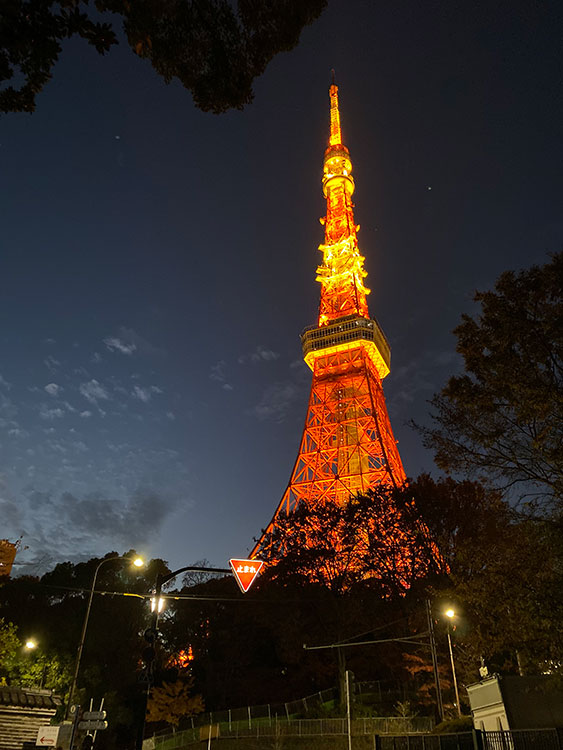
347	445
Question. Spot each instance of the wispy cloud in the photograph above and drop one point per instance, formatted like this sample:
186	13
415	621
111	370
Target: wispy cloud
218	374
45	412
115	344
51	363
4	383
218	371
145	393
93	391
53	389
277	401
17	432
260	354
128	341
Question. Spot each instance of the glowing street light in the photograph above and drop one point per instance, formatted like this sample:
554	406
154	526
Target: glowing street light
450	614
30	644
137	562
157	604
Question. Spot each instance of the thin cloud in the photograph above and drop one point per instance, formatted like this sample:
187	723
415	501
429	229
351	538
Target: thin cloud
114	344
128	341
93	391
17	432
218	374
4	383
47	413
260	354
277	401
143	394
51	363
53	389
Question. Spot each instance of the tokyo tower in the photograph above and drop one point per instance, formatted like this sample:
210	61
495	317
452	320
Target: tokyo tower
347	445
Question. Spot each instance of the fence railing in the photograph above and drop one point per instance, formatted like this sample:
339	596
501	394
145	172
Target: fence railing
291	709
515	739
459	741
296	728
381	732
524	739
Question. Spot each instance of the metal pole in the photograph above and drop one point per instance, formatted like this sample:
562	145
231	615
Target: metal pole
439	702
348	712
453	672
160	581
84	628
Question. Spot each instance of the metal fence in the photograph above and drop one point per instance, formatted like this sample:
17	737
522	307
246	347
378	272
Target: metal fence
378	732
386	695
516	739
460	741
295	728
523	739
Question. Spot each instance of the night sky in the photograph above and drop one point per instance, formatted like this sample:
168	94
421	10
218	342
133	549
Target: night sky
158	263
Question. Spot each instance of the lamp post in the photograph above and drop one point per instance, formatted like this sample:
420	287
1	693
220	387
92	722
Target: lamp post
450	614
432	643
138	563
157	605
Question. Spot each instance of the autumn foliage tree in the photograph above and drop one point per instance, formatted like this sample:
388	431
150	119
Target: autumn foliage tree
378	538
173	701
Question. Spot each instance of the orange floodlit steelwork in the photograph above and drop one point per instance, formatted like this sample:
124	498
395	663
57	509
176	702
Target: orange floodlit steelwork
347	445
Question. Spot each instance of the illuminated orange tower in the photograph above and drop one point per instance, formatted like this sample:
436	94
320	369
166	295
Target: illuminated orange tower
348	444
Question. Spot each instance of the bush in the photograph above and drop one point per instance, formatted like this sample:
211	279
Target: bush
451	726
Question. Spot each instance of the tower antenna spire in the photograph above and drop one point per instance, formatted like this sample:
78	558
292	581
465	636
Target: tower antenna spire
335	133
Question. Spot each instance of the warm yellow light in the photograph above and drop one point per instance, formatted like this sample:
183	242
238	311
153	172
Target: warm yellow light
450	613
369	347
157	605
30	644
138	562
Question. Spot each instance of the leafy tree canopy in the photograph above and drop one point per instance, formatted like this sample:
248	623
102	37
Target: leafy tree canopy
376	539
215	48
9	646
174	701
502	419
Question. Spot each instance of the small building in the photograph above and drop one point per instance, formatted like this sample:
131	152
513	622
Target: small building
22	712
500	703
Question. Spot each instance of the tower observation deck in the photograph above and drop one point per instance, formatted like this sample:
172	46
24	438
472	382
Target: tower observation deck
347	446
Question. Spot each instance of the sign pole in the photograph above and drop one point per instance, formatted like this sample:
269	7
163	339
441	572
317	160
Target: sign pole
348	711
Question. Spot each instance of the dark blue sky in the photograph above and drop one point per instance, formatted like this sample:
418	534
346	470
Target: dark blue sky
158	263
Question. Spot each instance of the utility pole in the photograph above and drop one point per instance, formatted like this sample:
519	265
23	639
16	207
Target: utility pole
348	708
153	633
439	702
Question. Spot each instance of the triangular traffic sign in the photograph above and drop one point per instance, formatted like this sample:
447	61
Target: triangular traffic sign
246	571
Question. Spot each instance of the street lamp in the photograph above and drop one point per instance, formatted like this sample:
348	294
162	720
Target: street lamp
30	644
137	562
450	614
